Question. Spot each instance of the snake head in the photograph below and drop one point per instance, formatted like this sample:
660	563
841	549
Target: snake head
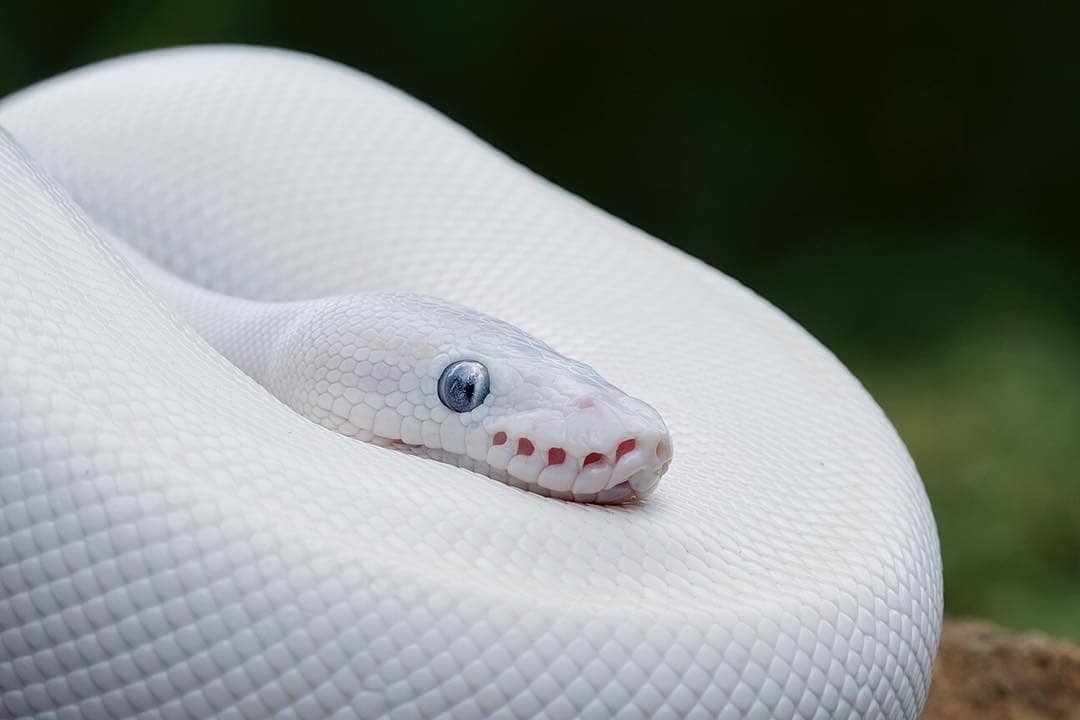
431	378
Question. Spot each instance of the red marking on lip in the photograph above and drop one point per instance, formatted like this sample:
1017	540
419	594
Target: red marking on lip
593	458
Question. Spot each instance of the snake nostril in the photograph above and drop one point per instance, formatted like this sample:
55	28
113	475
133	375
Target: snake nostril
499	439
556	456
525	447
624	447
593	458
663	450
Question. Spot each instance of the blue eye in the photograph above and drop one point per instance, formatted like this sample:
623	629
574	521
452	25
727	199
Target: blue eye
463	385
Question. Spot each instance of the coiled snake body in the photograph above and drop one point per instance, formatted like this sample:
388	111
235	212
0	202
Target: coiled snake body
176	542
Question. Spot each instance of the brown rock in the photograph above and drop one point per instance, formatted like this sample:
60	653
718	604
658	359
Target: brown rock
988	673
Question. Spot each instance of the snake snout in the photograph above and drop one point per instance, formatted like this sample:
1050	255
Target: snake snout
582	441
639	466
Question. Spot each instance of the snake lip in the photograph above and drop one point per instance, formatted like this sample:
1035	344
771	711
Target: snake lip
617	494
628	471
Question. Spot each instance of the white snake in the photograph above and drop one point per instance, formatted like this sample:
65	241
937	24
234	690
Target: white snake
175	542
379	366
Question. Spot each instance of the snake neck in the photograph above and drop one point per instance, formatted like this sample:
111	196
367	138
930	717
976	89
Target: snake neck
248	333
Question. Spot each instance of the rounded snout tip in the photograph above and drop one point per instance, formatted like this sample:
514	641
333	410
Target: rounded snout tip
643	480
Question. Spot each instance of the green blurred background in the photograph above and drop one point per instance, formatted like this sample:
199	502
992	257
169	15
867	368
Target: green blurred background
901	179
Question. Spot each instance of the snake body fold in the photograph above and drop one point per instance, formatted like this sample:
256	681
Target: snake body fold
175	542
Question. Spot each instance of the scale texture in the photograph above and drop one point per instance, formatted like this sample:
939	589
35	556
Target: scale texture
174	542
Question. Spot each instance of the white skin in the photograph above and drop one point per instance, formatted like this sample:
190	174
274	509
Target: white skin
368	366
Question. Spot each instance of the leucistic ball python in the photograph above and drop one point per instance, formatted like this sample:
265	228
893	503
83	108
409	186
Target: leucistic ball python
176	541
435	379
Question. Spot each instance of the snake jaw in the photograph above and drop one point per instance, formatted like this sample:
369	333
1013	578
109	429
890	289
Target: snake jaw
603	461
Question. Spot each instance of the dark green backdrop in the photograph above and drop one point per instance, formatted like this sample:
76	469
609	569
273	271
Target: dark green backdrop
902	180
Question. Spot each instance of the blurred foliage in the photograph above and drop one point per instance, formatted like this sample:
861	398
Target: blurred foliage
900	178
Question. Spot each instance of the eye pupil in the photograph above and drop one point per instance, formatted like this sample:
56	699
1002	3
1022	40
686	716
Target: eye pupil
463	385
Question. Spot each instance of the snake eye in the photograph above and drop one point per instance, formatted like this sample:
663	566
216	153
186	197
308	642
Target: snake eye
463	385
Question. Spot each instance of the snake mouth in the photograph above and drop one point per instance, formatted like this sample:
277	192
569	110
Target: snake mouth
626	472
